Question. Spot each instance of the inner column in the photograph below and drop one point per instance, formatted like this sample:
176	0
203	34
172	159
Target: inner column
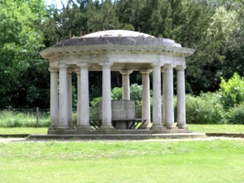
63	97
84	99
146	112
164	95
181	107
69	90
126	84
106	98
169	96
53	98
157	113
78	95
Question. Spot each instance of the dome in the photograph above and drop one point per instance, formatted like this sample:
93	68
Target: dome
116	33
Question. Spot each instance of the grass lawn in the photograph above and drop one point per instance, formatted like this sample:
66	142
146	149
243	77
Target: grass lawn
196	161
216	128
192	127
23	130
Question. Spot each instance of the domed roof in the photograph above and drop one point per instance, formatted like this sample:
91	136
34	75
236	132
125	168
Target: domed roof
116	33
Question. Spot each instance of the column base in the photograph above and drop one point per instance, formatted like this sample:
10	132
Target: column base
181	126
169	126
176	130
106	129
84	129
64	130
157	128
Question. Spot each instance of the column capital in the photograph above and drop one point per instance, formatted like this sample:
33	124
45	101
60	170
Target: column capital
107	64
77	71
180	67
82	65
168	66
62	66
69	71
125	71
145	71
156	65
53	69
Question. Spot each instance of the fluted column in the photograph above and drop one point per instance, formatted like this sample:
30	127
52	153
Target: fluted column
164	95
77	71
63	97
84	98
146	112
126	84
181	108
69	90
106	97
169	96
53	98
157	113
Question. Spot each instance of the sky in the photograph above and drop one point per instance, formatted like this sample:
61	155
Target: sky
57	2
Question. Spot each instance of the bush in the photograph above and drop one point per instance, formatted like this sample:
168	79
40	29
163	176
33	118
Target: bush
204	109
235	115
232	92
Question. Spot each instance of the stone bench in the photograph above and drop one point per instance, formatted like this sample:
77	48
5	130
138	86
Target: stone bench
133	123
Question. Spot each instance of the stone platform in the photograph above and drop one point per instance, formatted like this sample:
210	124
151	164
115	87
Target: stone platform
117	136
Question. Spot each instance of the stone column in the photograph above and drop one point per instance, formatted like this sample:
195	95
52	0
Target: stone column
169	97
69	90
164	95
53	98
157	113
63	98
77	71
84	99
126	84
181	106
146	112
106	98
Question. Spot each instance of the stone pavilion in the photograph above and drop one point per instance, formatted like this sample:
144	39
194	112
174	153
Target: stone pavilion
123	51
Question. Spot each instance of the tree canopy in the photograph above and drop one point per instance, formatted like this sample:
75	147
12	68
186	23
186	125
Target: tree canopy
214	28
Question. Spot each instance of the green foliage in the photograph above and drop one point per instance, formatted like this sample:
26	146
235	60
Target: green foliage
235	115
204	109
232	91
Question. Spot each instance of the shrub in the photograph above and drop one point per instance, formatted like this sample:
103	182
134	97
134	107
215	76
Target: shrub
235	115
204	109
232	92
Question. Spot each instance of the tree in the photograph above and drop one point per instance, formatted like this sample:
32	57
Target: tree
20	42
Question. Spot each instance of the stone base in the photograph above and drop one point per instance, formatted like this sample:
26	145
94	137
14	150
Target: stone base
157	129
176	130
106	129
64	131
84	129
116	136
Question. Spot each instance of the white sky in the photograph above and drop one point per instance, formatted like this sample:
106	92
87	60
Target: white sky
57	2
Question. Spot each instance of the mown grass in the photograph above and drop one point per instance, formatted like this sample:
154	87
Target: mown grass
216	128
194	128
213	161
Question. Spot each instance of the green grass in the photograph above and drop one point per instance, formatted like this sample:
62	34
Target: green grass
197	161
23	130
194	128
23	119
216	128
